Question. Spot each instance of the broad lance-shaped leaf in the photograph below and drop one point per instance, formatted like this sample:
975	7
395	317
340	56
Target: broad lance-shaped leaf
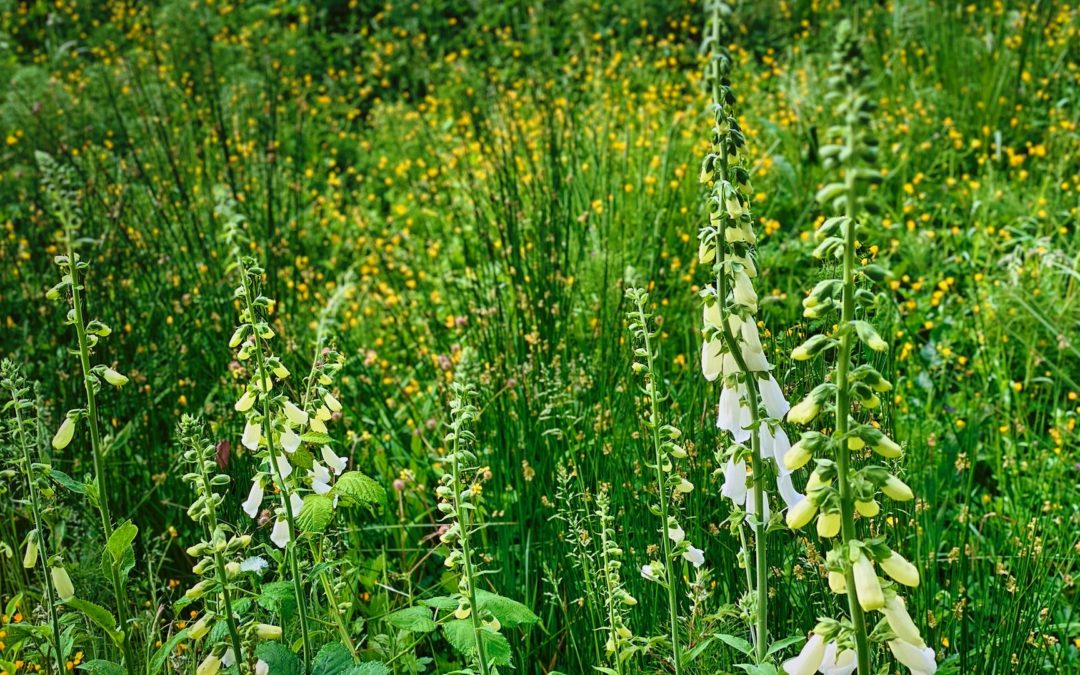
416	619
509	612
355	486
101	667
100	616
459	633
316	514
121	555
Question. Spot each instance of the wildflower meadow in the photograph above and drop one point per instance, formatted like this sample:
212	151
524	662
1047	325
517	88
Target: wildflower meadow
682	337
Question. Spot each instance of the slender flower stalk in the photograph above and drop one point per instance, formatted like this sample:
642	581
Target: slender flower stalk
851	394
22	430
751	402
619	644
671	487
459	504
200	456
63	198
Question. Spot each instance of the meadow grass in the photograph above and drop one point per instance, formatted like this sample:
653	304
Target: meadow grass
462	193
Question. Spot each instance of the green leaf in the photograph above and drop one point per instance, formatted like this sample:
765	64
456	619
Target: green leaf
369	668
67	481
786	642
416	619
332	659
441	602
509	612
278	597
99	615
356	487
760	669
280	660
302	459
316	438
120	541
316	514
459	633
100	667
736	643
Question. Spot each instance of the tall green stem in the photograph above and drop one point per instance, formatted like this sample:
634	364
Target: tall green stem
843	453
290	547
43	548
102	497
654	426
466	556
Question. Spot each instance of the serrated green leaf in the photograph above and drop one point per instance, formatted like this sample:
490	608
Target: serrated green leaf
316	438
441	602
67	481
280	660
356	487
369	668
302	459
278	597
736	643
509	612
99	615
101	667
416	619
316	514
459	633
332	659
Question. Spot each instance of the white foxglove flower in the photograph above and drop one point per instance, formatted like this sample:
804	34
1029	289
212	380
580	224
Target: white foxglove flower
210	666
284	467
773	398
900	570
246	401
336	463
320	478
676	533
332	403
732	416
297	503
920	660
743	293
252	434
290	440
295	414
684	486
837	662
262	667
114	378
734	487
900	621
228	658
751	505
317	425
65	433
652	571
280	534
694	556
808	659
787	490
712	360
254	501
867	585
775	444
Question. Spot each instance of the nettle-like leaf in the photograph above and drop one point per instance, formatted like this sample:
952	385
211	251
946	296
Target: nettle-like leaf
509	612
302	459
332	659
369	668
316	438
317	513
459	633
280	660
355	487
101	667
278	597
99	615
416	619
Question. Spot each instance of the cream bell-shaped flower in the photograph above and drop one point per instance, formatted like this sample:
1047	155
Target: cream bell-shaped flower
743	293
336	464
280	534
900	621
867	585
290	440
801	513
294	413
694	556
284	467
252	434
808	659
901	571
297	503
253	503
919	660
320	478
734	487
787	490
836	662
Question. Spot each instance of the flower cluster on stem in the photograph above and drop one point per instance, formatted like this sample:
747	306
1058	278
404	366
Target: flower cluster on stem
617	599
671	486
751	401
866	570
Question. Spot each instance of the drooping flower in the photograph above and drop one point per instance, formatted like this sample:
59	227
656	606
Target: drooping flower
337	464
867	585
253	503
695	556
836	662
65	433
280	534
294	413
320	478
896	614
252	434
900	569
920	660
808	659
290	440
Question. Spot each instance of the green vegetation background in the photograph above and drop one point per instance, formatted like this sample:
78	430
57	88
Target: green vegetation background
493	175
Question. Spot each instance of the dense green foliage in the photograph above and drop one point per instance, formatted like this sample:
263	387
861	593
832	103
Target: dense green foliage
463	192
